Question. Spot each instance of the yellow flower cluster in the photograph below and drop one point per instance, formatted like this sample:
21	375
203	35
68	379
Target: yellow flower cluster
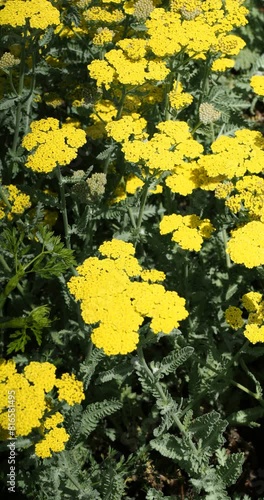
30	390
257	83
234	156
130	126
52	145
53	442
118	294
249	195
254	305
70	389
103	15
222	64
246	245
39	13
103	36
103	112
166	150
198	27
179	99
19	202
124	66
189	231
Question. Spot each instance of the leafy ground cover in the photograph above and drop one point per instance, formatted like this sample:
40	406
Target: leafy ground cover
132	249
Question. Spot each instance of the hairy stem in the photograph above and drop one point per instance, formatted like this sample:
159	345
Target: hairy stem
63	207
159	389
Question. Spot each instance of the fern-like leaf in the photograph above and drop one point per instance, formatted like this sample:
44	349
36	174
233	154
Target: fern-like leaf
171	362
230	472
96	412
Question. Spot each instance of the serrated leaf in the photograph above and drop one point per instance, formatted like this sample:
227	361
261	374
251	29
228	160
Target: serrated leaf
119	373
168	446
8	103
96	412
232	469
209	429
106	153
47	37
171	362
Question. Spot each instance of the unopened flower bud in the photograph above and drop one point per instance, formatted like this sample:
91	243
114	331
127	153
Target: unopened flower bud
80	191
208	113
8	61
142	9
190	14
96	185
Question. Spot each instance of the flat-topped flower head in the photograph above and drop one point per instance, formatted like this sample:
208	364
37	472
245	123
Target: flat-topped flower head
188	231
39	13
257	83
51	144
117	295
246	245
32	400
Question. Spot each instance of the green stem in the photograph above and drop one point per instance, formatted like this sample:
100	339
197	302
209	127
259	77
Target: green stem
20	91
142	205
132	218
31	94
63	207
247	391
196	127
11	285
121	103
11	83
89	352
212	131
8	269
107	160
224	239
241	387
159	389
205	81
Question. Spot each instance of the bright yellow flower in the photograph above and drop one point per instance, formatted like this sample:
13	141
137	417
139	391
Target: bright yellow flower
52	145
257	83
246	245
109	297
39	13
